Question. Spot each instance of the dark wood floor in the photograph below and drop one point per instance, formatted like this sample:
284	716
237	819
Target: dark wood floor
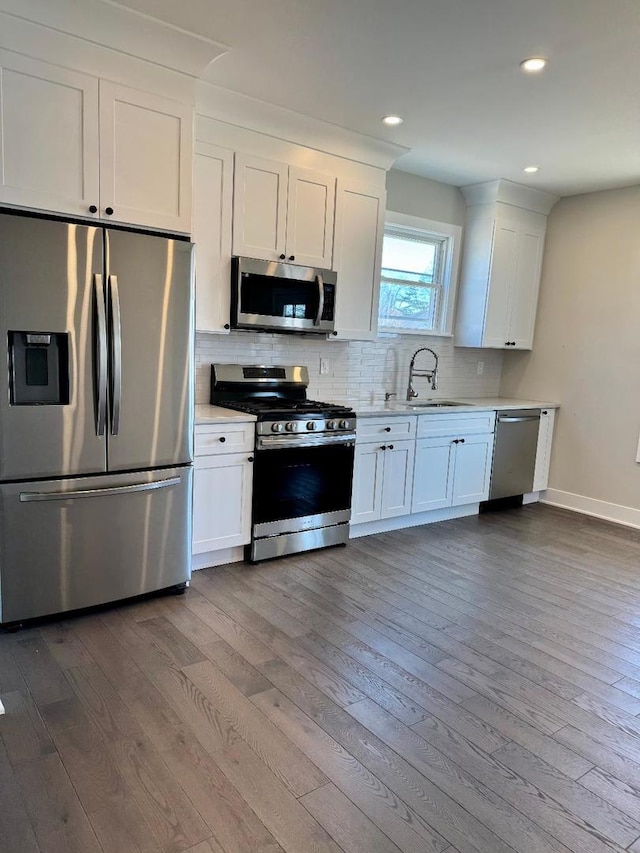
468	686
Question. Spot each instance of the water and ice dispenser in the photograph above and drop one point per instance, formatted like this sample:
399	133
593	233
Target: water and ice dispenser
39	368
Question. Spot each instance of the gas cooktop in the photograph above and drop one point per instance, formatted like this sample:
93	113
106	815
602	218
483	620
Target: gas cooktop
278	407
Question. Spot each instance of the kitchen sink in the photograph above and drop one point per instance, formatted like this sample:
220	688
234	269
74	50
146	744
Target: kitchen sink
433	404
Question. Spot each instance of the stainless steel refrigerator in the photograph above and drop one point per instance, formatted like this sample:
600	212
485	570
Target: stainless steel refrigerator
96	415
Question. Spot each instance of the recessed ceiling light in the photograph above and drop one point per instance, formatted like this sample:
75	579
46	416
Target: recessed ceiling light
530	170
392	121
534	64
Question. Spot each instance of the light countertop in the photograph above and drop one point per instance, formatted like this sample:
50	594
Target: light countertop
218	415
471	404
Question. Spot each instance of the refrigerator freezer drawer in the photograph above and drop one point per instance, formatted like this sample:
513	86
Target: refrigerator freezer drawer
68	544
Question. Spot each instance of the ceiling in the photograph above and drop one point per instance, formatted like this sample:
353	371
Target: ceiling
451	69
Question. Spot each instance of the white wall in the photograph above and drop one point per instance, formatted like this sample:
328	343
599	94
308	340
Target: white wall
586	352
361	372
418	196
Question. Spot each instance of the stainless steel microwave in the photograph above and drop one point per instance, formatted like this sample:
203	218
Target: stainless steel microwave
275	297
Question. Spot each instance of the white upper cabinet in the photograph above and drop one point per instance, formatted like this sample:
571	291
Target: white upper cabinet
260	208
145	158
71	143
48	136
310	214
282	213
212	211
359	231
504	242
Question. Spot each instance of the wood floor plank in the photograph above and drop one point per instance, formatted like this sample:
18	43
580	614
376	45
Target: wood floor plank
515	729
594	810
57	817
394	817
236	668
43	676
612	755
621	794
23	731
16	832
283	759
288	821
234	825
345	823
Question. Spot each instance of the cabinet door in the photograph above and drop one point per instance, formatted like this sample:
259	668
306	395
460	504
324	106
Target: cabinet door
259	208
433	474
543	452
221	502
368	470
310	213
357	257
48	136
472	469
145	158
503	266
398	478
526	280
212	210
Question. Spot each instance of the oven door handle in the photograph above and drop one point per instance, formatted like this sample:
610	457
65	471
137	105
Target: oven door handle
269	442
320	283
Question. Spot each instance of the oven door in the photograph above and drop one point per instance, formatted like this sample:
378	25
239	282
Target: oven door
301	488
282	297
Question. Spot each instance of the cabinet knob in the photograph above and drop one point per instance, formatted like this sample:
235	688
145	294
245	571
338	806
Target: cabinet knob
282	257
391	447
222	439
462	441
544	412
334	333
108	211
227	326
383	447
387	429
250	459
93	208
455	441
292	257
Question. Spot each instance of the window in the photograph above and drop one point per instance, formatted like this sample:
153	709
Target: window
418	275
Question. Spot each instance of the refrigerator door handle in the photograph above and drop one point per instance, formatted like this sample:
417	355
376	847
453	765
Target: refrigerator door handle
30	497
100	354
115	352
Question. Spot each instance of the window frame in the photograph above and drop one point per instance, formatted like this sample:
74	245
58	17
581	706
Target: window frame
451	235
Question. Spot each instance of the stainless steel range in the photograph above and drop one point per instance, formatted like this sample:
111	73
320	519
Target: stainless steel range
303	467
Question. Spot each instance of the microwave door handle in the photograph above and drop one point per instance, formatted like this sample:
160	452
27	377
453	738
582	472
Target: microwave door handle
320	283
100	354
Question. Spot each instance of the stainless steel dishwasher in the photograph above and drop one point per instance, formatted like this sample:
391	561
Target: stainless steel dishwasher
514	453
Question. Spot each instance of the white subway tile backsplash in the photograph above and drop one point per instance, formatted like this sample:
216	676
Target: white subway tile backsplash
359	371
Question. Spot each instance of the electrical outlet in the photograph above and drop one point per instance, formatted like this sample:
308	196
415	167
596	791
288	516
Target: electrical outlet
480	368
325	366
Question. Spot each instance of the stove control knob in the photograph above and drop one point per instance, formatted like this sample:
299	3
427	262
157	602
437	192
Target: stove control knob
276	427
332	425
344	424
291	426
311	425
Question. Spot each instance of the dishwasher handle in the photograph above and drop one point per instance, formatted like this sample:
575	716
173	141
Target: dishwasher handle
509	419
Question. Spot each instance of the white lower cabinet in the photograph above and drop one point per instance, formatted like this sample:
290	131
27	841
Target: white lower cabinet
382	480
451	471
222	487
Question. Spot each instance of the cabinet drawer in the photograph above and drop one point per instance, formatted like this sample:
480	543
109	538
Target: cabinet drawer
374	429
211	439
467	423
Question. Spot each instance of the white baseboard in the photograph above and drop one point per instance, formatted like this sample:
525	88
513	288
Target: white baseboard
619	514
217	558
385	525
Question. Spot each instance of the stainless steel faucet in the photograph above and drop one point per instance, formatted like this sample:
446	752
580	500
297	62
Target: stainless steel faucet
431	375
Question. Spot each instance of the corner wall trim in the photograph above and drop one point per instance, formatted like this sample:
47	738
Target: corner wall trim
617	513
